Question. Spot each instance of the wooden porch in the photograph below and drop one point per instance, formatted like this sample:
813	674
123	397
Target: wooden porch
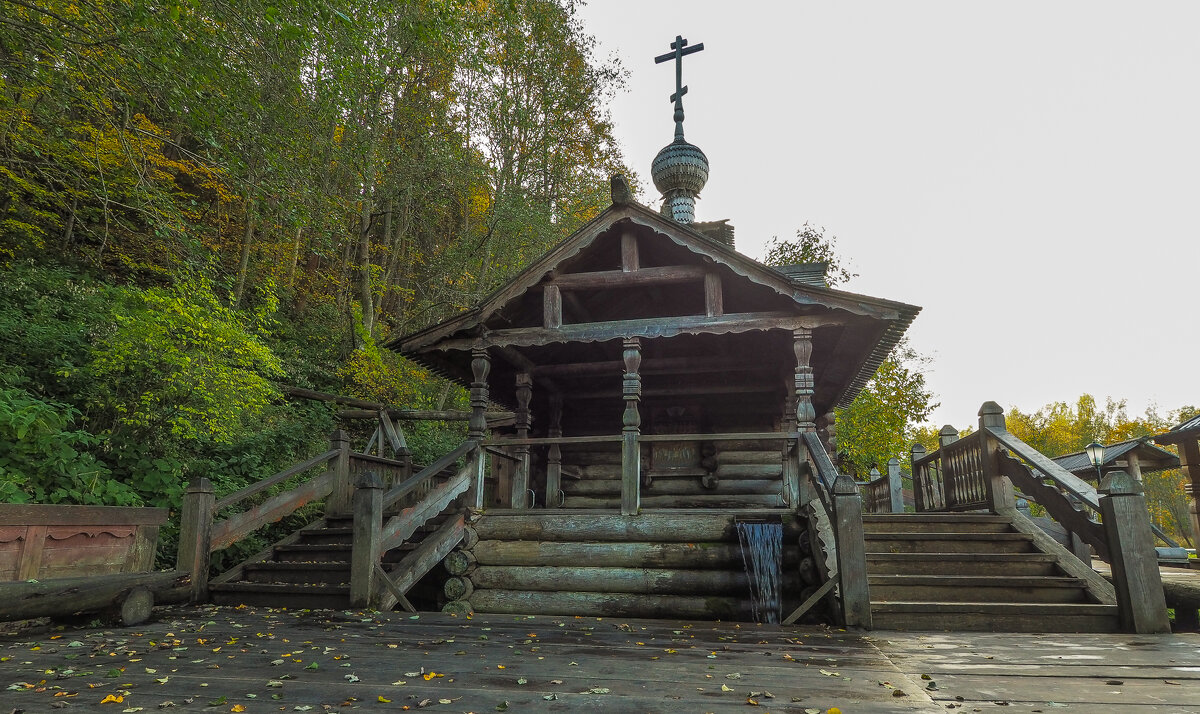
267	659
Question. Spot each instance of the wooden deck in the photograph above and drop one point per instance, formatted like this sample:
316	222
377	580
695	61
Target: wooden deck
273	660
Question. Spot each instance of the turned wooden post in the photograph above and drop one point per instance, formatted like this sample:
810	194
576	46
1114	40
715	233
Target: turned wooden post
916	454
851	553
367	536
338	502
195	536
1189	466
1135	573
520	483
895	486
481	365
631	450
806	414
554	494
1001	497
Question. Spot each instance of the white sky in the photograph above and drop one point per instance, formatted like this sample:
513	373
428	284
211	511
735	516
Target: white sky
1027	172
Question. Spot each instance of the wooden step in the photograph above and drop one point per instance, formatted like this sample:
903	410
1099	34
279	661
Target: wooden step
970	588
312	553
935	523
994	617
329	573
1015	564
326	536
949	543
311	597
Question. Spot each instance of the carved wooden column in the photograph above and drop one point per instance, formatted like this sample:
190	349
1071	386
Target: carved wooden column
481	365
1189	465
554	495
631	451
806	414
520	482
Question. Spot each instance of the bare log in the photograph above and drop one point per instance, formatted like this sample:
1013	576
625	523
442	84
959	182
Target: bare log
458	588
60	597
514	602
617	580
460	562
650	527
724	556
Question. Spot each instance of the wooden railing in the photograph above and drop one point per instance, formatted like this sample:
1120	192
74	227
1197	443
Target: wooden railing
422	497
876	495
633	473
953	478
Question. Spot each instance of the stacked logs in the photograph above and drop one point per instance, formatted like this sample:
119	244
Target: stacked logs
686	565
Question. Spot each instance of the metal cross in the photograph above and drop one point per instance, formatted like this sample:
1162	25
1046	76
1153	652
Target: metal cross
679	48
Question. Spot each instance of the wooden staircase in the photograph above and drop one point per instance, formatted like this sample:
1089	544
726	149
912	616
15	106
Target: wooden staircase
977	572
311	567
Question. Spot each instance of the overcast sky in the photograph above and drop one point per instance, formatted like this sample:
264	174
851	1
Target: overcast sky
1027	172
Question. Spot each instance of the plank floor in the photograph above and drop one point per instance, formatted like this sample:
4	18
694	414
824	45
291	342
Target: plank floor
223	659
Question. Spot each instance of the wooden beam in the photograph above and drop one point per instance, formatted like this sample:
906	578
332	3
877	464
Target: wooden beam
696	389
649	328
552	307
651	365
523	364
714	303
629	252
665	275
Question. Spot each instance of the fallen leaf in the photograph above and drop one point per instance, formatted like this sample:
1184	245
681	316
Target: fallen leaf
384	700
238	708
726	688
112	699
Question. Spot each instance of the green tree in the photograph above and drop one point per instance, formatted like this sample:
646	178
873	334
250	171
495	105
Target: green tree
811	245
884	418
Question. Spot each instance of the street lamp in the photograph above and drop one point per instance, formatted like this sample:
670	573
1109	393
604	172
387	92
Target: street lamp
1095	454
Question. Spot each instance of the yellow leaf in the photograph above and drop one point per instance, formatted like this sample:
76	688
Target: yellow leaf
238	708
112	699
384	699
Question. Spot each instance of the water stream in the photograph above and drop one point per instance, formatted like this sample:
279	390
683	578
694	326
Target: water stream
762	556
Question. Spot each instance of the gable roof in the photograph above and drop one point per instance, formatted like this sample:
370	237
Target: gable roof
1189	429
802	290
1156	459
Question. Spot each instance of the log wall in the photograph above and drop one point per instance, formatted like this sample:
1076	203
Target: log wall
667	565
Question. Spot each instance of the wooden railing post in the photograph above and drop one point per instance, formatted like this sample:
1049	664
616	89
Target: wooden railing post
554	454
195	536
1001	497
367	535
631	450
338	502
481	365
1135	573
851	553
916	454
895	486
791	474
520	483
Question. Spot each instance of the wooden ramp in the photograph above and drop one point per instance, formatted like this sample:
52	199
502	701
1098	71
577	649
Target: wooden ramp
979	572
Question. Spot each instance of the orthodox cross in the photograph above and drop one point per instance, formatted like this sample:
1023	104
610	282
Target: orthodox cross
679	48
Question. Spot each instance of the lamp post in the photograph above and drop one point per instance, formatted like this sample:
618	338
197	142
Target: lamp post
1095	454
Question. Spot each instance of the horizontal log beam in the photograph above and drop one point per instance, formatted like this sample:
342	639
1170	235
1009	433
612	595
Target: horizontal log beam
613	580
667	365
614	554
421	414
648	328
649	527
37	514
665	275
519	602
59	597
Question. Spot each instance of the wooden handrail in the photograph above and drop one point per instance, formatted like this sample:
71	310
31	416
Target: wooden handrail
410	484
1081	489
272	480
229	531
826	472
381	460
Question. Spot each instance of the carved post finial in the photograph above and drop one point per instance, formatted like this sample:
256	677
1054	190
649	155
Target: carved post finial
991	415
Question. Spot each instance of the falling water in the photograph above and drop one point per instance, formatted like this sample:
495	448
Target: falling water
762	556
